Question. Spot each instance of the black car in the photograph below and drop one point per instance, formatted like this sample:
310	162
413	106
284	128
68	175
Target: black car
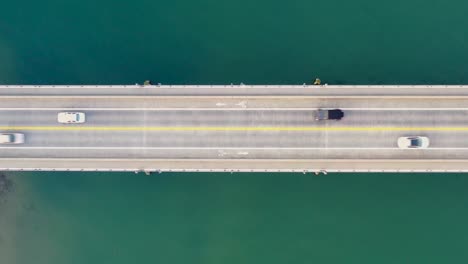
329	114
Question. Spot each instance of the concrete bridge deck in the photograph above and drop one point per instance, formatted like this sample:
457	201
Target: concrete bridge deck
240	90
234	128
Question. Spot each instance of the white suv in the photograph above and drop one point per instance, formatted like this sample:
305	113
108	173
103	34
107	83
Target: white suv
71	117
414	142
11	138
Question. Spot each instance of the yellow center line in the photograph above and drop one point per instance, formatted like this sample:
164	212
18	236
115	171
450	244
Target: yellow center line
213	128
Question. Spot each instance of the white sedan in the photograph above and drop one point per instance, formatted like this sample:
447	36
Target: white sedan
11	138
414	142
71	117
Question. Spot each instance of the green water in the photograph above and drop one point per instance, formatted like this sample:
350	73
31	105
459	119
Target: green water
241	218
219	41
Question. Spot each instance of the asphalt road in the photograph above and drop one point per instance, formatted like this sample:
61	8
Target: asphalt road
252	134
240	127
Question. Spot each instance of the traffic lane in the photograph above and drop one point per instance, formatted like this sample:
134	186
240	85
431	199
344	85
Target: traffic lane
249	138
230	153
165	118
190	138
220	102
254	118
28	118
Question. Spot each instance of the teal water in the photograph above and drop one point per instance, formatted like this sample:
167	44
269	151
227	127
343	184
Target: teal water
211	42
240	218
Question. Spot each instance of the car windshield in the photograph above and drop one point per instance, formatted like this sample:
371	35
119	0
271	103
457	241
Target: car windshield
415	142
77	117
322	114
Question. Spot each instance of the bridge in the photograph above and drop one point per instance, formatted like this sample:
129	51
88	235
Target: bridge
235	128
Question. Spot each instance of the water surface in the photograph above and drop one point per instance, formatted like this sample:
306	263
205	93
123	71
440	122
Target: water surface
240	218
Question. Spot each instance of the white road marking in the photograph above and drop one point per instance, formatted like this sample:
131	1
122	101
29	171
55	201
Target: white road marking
239	96
242	104
228	109
221	150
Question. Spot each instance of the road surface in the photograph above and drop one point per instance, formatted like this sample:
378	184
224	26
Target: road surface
240	128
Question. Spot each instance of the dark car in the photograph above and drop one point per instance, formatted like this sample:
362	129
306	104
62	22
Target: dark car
329	114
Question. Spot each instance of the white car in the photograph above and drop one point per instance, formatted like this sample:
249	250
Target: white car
414	142
71	117
11	138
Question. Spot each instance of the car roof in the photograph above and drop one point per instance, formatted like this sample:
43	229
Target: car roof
335	114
